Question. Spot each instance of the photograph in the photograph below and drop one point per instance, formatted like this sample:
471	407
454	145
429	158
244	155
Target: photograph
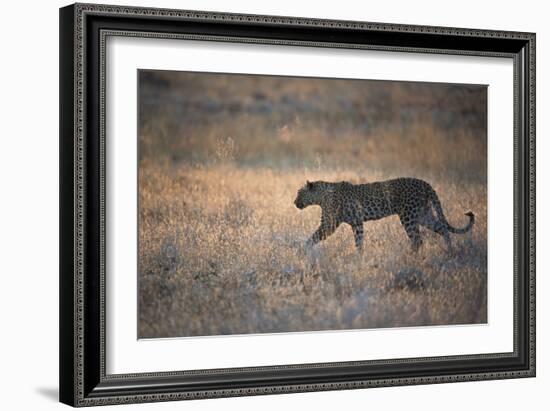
278	204
255	202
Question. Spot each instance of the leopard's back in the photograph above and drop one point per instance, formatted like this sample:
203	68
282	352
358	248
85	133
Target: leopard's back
377	200
413	200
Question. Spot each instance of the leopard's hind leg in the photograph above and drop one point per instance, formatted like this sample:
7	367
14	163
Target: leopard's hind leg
431	222
409	220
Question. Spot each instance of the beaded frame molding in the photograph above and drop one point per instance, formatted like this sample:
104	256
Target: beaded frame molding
83	32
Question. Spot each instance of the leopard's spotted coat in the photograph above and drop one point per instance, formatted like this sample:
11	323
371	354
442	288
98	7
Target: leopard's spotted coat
413	200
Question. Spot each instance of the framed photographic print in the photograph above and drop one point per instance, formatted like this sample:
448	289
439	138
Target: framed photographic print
261	204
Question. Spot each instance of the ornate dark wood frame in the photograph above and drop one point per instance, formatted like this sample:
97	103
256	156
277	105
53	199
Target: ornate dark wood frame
83	30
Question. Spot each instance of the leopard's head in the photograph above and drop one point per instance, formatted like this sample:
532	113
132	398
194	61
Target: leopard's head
311	193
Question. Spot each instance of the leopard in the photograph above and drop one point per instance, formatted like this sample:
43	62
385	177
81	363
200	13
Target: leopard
413	200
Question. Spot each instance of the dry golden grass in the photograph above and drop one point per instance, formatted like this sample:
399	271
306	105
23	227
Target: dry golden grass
221	252
221	245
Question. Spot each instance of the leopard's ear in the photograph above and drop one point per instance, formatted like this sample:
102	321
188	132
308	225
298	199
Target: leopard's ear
309	184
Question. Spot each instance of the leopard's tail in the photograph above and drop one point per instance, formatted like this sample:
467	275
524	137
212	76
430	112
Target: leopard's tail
439	211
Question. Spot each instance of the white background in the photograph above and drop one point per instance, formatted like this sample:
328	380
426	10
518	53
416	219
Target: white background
126	354
29	206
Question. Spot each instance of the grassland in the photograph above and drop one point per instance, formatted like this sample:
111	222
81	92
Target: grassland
221	245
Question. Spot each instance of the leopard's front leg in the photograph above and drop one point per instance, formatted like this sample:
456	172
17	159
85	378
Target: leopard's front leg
328	225
358	234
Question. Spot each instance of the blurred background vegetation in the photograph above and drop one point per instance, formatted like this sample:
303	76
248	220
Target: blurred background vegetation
297	122
221	245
